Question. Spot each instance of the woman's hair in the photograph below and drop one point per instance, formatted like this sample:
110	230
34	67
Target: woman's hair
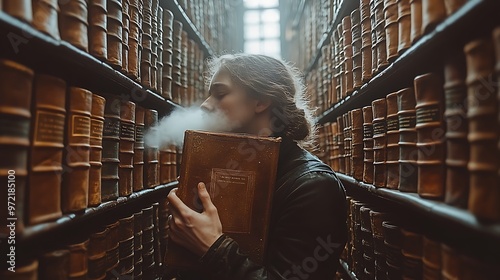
264	76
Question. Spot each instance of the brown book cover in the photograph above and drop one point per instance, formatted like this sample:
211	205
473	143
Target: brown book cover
164	163
114	26
368	145
430	135
73	23
112	247
379	142
138	177
457	146
53	265
97	30
408	156
416	20
392	152
21	9
391	28
453	5
224	171
347	143
15	114
431	258
78	259
357	144
45	15
46	152
110	149
412	251
433	12
126	155
151	152
482	114
340	141
75	184
96	129
404	25
335	147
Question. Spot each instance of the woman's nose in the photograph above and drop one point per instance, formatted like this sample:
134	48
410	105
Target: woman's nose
208	105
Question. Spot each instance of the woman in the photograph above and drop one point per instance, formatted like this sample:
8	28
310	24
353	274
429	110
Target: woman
263	96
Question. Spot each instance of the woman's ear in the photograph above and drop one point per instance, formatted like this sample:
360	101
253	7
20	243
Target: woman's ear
262	104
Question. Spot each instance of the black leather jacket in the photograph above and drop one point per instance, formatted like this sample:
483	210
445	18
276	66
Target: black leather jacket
307	231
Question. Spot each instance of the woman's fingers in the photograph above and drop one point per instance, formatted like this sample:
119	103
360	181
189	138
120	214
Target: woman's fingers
208	206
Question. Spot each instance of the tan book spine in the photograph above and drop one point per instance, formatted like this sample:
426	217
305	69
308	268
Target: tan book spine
110	149
453	5
433	12
379	142
134	37
151	152
125	34
97	262
381	42
98	41
177	62
15	115
404	25
368	145
46	152
408	154
126	155
391	28
54	265
341	62
347	143
356	49
482	114
75	184
416	20
392	156
357	144
21	9
114	25
173	163
366	40
159	62
430	135
112	247
457	146
73	23
45	15
78	259
347	35
164	163
340	140
96	130
138	177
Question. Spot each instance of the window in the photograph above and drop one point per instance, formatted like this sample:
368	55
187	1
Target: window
262	27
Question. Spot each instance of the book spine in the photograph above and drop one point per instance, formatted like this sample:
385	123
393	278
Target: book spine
453	5
53	265
125	34
21	9
482	114
412	254
173	163
457	146
356	49
151	151
112	248
98	42
110	149
368	144
73	23
331	145
138	177
431	258
347	35
340	140
78	260
134	37
416	20
46	153
357	144
126	155
366	40
177	62
430	135
114	25
347	143
75	188
408	155
404	25
96	129
433	12
341	63
380	45
379	142
45	13
392	156
391	29
164	163
15	116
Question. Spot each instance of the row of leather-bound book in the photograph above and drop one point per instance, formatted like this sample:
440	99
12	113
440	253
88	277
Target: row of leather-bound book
130	246
384	245
136	37
70	149
370	38
438	137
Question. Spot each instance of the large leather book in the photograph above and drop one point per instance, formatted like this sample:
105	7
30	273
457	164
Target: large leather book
482	114
45	14
357	144
53	265
366	40
46	151
96	129
431	258
404	25
78	260
114	26
430	135
73	23
16	83
213	158
75	183
98	41
379	108
151	152
457	146
453	5
126	155
138	177
416	20
408	156
110	149
392	152
433	12
21	9
368	144
340	141
347	143
159	62
391	28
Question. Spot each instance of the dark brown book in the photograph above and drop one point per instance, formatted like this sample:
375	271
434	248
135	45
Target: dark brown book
340	141
98	41
404	25
431	258
416	20
97	267
45	15
496	38
368	144
15	114
112	247
98	243
110	149
379	108
159	62
366	40
357	44
430	135
341	63
391	28
151	152
46	151
357	144
408	155
347	41
453	5
114	26
173	163
451	263
53	265
21	9
482	114
335	147
164	163
138	177
347	143
392	152
433	12
457	146
251	180
412	251
126	155
134	37
147	45
96	129
125	34
75	183
78	259
73	23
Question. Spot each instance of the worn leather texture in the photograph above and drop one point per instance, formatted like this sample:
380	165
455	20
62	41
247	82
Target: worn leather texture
96	130
408	156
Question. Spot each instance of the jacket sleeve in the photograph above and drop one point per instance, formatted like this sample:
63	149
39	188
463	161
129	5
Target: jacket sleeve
307	234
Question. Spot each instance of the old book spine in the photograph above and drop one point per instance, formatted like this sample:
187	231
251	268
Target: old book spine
54	265
340	140
96	128
125	34
78	260
97	254
151	152
15	114
392	160
373	22
431	258
356	49
173	163
112	248
164	163
46	152
21	9
496	38
379	142
412	254
110	149
114	25
457	146
391	28
159	62
482	114
433	12
381	42
347	35
335	147
75	187
453	5
341	62
430	135
168	21
357	144
408	155
347	143
416	20
134	38
404	25
73	23
45	13
177	62
126	155
337	76
368	144
98	42
331	147
366	41
138	177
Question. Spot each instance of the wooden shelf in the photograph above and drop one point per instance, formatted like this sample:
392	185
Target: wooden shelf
448	220
475	19
345	9
24	44
345	268
188	25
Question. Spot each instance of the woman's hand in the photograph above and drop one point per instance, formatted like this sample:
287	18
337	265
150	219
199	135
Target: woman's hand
190	229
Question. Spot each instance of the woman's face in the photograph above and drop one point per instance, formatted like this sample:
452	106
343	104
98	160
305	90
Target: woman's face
231	100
